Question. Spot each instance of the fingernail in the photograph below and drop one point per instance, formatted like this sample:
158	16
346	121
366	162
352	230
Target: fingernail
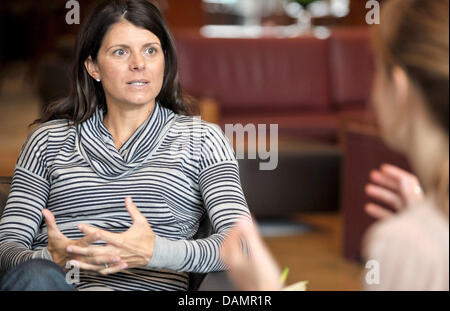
116	260
69	249
123	266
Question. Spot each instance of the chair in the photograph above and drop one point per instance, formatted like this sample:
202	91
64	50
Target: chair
364	151
204	230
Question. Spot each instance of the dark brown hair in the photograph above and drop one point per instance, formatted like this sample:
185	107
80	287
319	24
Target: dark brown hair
86	94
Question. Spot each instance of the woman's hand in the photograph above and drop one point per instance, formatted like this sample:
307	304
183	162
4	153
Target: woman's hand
134	246
393	186
58	243
256	270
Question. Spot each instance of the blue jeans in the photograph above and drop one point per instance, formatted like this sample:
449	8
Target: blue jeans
35	275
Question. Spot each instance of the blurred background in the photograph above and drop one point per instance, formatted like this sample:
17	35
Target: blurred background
305	65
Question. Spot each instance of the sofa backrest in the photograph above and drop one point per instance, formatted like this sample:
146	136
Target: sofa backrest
256	73
304	73
351	67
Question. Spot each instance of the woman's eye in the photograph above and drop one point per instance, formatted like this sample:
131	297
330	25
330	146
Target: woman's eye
119	52
151	51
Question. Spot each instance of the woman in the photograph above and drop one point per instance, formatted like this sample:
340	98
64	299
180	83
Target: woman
411	98
123	135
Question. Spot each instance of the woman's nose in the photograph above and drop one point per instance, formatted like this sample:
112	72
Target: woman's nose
137	62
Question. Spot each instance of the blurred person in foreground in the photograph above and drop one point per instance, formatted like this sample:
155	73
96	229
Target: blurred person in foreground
411	98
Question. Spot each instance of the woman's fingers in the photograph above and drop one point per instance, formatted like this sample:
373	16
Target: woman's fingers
112	238
52	228
377	212
89	239
406	181
100	260
111	268
395	172
134	212
85	266
395	187
96	255
408	184
92	251
114	268
88	229
385	180
381	194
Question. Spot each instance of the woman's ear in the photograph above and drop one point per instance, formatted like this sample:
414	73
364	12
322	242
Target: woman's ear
92	68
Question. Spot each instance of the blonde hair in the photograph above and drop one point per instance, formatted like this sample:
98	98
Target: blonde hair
414	35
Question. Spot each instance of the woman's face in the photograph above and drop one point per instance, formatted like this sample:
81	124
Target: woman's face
130	64
387	107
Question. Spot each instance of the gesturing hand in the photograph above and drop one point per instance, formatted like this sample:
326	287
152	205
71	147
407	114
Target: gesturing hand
256	270
58	243
134	246
393	186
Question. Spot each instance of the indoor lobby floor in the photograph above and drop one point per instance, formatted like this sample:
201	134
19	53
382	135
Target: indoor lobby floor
315	256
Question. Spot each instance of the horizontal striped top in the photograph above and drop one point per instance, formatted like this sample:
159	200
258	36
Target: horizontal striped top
176	168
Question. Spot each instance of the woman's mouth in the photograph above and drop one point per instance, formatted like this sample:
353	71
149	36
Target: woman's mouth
138	84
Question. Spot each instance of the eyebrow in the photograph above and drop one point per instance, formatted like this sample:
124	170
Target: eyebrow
126	46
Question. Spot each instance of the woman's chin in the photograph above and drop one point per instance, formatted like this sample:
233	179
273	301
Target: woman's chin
393	142
140	101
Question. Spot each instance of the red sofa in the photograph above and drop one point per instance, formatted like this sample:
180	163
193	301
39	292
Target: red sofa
303	84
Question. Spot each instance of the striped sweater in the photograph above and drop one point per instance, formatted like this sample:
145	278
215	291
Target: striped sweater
176	169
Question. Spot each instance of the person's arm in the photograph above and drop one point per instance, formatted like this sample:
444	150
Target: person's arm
251	265
27	198
225	203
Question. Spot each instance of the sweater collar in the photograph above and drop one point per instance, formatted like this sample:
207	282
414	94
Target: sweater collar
97	144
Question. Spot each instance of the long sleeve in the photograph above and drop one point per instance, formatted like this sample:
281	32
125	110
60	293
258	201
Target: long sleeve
28	196
224	201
